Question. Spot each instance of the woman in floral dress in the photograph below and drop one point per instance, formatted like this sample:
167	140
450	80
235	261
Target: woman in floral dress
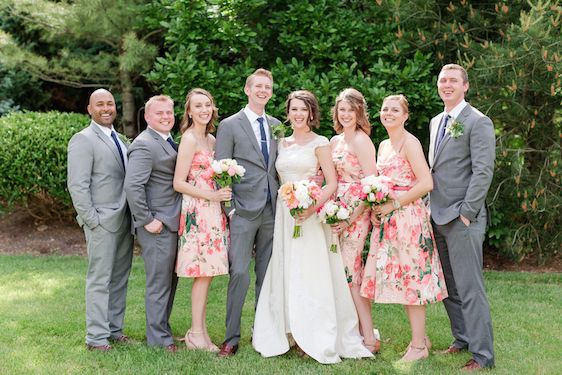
353	154
403	264
203	236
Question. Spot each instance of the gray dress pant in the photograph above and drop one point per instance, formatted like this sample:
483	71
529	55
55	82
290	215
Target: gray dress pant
460	250
159	253
109	263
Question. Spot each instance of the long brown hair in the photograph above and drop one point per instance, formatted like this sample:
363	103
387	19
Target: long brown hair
357	102
187	121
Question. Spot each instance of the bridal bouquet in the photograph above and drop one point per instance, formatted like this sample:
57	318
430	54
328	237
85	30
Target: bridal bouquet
299	196
333	212
377	189
226	172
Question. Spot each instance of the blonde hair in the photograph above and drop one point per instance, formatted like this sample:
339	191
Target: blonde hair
401	99
187	121
357	102
157	98
464	74
311	104
259	72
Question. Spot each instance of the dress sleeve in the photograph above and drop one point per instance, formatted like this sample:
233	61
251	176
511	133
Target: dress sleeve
321	141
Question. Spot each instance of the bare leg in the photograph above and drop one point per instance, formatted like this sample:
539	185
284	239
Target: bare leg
363	307
417	348
197	334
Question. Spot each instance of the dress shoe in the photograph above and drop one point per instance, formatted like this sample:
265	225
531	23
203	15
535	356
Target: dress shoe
123	339
471	365
227	350
99	348
451	350
172	348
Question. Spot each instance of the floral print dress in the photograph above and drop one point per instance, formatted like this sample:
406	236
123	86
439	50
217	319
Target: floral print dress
403	263
352	239
203	235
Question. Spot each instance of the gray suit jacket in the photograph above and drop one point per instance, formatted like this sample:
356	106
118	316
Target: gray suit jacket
95	179
236	140
149	181
462	168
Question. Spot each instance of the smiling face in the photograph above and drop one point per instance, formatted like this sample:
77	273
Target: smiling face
347	116
298	114
259	90
102	108
393	114
159	115
451	87
200	109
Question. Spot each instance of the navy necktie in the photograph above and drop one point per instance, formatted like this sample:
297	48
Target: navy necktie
264	151
172	143
114	137
441	131
263	142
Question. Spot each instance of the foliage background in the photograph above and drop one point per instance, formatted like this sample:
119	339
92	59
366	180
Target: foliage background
511	50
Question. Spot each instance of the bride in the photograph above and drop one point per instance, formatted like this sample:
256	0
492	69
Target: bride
305	300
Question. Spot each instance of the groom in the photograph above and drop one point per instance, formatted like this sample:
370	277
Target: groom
246	137
461	154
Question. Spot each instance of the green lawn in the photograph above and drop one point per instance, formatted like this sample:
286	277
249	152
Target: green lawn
42	328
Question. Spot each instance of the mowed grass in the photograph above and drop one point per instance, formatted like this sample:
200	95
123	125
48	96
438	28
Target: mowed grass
42	328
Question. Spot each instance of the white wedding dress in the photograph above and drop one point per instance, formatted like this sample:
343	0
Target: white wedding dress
305	294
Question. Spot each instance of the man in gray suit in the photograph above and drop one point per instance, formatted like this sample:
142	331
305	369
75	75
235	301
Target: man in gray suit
247	137
461	155
96	171
155	206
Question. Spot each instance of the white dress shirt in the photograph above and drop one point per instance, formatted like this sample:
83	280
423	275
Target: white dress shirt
253	118
107	131
455	112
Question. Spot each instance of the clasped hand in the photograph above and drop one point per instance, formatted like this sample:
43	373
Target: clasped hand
302	216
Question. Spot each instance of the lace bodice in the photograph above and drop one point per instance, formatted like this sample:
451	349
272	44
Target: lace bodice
298	162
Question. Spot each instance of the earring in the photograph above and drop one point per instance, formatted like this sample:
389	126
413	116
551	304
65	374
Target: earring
189	116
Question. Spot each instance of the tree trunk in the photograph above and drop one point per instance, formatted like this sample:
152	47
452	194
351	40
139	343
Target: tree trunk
128	100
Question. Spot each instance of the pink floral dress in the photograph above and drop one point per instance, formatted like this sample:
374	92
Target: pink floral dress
203	236
352	239
403	264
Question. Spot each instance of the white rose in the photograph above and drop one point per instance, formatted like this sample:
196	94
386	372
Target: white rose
216	166
371	197
343	214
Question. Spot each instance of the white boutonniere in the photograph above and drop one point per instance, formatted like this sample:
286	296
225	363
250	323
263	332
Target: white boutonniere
278	131
456	129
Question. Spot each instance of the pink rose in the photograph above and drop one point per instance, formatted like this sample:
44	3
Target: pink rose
231	171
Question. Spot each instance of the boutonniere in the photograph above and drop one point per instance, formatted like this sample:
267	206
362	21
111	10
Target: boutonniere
456	129
278	131
124	139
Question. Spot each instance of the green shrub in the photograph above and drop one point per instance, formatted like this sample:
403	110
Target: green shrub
33	161
324	48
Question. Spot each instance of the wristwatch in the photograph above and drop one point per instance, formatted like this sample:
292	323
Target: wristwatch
396	204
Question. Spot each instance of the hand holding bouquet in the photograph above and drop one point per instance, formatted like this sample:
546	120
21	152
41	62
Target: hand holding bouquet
377	189
332	213
298	196
226	172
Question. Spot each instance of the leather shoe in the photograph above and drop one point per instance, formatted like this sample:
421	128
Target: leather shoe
123	339
451	350
471	365
172	348
227	350
99	348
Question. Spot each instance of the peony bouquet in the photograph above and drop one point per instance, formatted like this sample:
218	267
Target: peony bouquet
226	172
333	212
377	189
298	196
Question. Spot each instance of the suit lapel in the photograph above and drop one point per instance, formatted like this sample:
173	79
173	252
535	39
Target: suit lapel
109	143
165	145
272	143
434	125
247	127
460	118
